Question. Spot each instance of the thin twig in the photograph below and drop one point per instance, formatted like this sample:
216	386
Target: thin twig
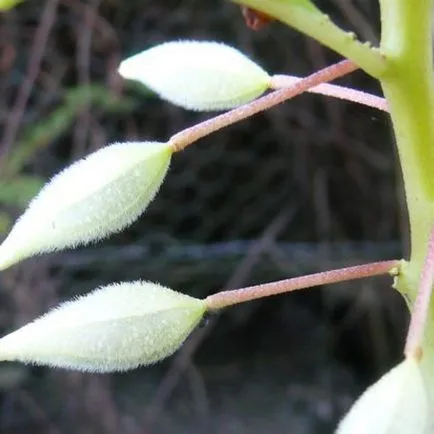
190	135
37	53
84	49
341	92
229	298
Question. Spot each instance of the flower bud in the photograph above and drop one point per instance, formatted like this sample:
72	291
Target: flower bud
198	75
396	404
114	328
94	197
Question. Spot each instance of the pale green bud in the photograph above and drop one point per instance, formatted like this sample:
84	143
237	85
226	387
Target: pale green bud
396	404
96	196
198	75
114	328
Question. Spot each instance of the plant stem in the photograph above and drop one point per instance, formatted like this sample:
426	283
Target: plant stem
190	135
420	311
409	89
236	296
308	19
280	81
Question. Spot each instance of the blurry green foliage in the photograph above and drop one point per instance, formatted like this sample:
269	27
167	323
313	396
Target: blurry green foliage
16	189
5	222
20	190
8	4
44	132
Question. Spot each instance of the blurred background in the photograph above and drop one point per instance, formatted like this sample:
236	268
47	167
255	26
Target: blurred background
307	186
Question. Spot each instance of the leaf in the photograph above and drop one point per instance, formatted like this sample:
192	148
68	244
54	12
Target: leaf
96	196
114	328
396	404
197	75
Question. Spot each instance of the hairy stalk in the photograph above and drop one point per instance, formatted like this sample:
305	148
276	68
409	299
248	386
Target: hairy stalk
190	135
236	296
308	19
281	81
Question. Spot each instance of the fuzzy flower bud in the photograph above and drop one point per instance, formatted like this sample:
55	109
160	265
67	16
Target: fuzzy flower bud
198	75
94	197
114	328
396	404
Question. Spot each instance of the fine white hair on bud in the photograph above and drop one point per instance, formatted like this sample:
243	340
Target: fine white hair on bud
198	75
94	197
114	328
396	404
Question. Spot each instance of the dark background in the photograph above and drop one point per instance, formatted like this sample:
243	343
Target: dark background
307	186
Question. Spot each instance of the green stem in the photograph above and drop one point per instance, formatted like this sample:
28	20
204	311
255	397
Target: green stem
421	305
308	19
409	89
